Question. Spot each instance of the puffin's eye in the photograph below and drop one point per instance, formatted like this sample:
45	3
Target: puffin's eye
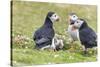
74	16
77	22
55	15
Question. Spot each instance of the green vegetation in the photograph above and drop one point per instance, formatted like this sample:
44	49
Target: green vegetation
29	16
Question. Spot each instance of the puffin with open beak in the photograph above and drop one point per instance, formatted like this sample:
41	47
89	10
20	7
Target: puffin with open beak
73	32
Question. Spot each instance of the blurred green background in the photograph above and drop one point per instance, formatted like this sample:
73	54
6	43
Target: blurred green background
28	16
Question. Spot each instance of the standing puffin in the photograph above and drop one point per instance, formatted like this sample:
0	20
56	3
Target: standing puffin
88	37
44	35
73	32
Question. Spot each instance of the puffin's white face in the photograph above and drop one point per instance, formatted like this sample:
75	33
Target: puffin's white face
73	17
78	23
54	17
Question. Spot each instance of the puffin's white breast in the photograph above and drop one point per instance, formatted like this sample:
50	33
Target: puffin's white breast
73	33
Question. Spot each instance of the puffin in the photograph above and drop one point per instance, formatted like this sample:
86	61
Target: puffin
72	31
44	35
87	36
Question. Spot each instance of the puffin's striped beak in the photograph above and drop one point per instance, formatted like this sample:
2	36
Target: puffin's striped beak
70	20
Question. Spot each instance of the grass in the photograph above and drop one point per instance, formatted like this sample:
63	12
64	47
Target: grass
29	56
29	16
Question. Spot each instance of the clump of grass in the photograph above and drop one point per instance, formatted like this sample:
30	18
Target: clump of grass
22	41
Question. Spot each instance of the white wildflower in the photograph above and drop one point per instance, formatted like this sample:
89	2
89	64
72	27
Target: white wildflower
56	56
70	57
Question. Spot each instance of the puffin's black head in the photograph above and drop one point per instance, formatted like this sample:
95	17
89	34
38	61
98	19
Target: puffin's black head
72	18
53	16
80	23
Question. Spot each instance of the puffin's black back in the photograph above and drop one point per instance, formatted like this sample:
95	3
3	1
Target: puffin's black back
87	35
46	31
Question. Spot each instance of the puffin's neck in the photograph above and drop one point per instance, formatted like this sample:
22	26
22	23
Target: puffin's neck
84	25
48	23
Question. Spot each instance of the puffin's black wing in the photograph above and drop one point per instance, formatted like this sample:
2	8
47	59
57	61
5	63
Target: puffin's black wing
43	35
88	37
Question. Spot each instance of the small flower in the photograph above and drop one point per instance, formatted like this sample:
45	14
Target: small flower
70	57
56	56
26	47
26	42
14	62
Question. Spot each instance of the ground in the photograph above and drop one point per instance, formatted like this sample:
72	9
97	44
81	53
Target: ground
29	16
